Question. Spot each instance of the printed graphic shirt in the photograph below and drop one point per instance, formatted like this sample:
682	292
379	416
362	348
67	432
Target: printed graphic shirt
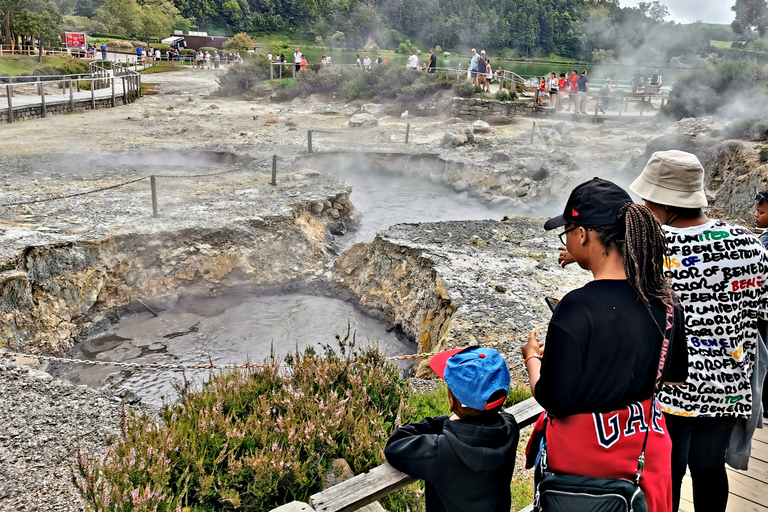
719	272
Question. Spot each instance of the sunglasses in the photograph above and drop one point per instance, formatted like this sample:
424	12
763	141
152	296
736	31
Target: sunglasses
760	197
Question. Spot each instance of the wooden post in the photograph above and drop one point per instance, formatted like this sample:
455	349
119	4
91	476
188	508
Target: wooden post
8	93
309	139
294	71
78	83
274	169
626	105
125	95
281	70
407	132
271	71
153	186
642	106
71	97
93	94
113	91
138	80
533	131
41	90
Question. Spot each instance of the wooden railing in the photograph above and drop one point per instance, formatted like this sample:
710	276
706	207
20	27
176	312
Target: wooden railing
382	480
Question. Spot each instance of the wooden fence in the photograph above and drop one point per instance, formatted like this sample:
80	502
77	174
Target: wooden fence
382	480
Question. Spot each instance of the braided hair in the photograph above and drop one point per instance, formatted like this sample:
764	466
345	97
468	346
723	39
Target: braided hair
639	239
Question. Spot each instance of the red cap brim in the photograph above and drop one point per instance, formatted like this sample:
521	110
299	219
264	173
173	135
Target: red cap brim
439	361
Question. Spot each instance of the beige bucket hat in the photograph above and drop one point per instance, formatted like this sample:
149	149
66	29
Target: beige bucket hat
672	178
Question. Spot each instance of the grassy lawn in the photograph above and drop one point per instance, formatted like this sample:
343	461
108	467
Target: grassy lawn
162	67
720	44
18	64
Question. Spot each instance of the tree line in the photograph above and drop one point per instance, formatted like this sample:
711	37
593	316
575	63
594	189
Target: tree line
586	29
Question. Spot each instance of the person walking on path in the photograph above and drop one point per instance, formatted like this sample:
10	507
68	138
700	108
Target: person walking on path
720	273
573	91
605	347
413	61
297	59
583	85
432	61
104	51
605	96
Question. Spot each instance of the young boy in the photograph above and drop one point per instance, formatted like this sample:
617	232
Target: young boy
466	459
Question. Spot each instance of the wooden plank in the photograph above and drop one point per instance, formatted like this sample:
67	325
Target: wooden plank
360	490
529	508
761	434
758	470
759	452
739	504
294	506
748	488
383	480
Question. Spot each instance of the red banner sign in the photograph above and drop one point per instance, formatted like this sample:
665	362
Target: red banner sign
74	40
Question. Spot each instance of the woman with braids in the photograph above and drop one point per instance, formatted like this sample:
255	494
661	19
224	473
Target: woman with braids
596	377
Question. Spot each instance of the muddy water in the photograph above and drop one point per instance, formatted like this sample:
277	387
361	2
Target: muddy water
232	328
384	199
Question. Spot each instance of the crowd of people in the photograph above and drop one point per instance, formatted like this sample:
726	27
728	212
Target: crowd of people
653	368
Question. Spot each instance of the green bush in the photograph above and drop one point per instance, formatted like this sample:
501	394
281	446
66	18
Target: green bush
503	95
253	439
162	47
719	84
243	79
465	88
209	49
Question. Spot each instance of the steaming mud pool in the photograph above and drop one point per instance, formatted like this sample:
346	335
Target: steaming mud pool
233	328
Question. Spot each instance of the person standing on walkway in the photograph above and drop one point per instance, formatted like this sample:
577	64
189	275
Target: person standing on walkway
605	95
297	59
473	65
573	92
413	61
432	61
367	63
605	346
583	85
553	89
720	274
562	86
104	51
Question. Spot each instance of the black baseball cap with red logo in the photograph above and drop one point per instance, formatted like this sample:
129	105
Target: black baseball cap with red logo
593	203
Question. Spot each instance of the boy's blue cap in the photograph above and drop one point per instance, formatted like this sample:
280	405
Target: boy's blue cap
473	374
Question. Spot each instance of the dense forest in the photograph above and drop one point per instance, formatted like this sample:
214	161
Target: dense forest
588	29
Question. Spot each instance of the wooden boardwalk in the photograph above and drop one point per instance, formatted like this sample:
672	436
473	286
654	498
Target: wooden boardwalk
749	489
23	100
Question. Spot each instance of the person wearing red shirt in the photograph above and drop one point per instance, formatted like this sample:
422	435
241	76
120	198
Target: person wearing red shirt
562	85
573	91
542	91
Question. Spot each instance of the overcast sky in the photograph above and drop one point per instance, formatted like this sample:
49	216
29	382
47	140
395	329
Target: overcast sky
688	11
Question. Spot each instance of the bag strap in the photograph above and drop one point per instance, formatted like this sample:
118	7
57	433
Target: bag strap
670	320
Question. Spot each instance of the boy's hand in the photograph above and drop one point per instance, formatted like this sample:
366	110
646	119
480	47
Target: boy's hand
565	257
533	346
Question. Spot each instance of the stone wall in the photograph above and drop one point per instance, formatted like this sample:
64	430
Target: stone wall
36	111
471	107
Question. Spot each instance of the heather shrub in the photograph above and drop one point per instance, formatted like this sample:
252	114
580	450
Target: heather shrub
253	439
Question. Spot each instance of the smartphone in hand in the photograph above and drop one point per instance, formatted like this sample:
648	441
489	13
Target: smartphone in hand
552	303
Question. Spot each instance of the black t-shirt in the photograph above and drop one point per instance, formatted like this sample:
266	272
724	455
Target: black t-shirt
433	60
602	350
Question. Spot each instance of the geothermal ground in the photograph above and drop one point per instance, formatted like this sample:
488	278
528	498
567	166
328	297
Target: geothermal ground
71	269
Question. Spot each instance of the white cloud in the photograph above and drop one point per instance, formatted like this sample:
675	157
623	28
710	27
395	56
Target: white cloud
688	11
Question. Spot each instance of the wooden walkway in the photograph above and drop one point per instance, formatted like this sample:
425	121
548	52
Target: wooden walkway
22	100
749	489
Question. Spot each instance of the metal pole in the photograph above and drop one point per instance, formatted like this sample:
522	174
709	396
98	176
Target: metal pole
113	91
621	105
309	140
41	88
8	93
93	95
533	131
274	169
281	70
154	195
407	132
138	80
78	83
71	97
271	71
125	95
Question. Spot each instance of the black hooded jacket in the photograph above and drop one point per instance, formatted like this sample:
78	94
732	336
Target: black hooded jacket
467	464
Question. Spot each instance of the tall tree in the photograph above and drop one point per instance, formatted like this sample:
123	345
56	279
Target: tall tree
750	15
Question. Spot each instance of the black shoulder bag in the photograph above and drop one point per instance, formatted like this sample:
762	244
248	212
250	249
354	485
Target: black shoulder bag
573	493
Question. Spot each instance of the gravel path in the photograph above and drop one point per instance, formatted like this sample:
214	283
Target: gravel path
42	423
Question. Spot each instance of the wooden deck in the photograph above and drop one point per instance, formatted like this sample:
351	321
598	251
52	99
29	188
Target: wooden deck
749	489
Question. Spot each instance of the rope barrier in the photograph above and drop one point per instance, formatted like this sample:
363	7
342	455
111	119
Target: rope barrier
208	366
118	185
78	194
